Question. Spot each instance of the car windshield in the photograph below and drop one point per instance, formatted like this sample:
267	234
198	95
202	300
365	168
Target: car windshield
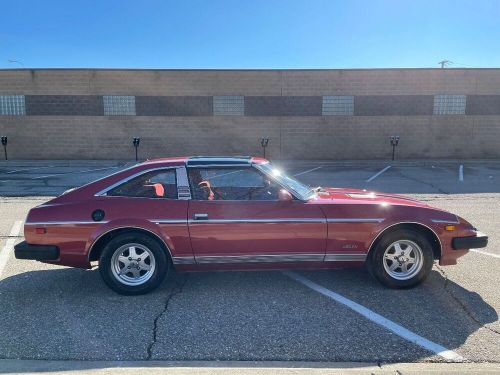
303	191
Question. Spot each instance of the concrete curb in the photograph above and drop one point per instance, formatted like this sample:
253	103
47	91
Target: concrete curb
8	366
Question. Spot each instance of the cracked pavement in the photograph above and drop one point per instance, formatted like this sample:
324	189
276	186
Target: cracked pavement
51	312
172	294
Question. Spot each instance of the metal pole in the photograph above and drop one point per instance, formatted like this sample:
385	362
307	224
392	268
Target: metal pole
264	142
136	141
393	149
4	144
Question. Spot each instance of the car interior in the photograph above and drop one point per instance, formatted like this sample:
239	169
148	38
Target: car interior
230	184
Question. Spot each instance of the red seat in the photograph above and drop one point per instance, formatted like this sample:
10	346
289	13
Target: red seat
159	190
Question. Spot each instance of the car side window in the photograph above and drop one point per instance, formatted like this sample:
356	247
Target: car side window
155	184
231	183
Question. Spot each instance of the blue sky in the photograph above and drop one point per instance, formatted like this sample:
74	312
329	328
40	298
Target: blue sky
249	34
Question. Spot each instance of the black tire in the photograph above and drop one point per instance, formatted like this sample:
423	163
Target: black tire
375	261
155	277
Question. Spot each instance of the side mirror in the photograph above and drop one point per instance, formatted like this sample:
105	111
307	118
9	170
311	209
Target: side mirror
284	196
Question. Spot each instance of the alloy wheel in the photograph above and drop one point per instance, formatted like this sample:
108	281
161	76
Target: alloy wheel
403	259
133	264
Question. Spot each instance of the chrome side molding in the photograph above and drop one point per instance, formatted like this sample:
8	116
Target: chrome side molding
183	260
443	221
285	258
42	223
345	257
271	258
269	221
355	220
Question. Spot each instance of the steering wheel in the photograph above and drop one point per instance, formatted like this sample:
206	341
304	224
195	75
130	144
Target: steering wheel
206	185
259	190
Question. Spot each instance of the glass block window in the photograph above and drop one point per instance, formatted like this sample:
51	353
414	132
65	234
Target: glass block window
116	105
338	105
449	104
12	105
229	105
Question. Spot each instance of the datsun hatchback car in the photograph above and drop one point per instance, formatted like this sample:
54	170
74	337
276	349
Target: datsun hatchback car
237	213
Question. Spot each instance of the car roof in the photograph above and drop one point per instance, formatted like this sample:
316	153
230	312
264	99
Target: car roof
208	160
218	160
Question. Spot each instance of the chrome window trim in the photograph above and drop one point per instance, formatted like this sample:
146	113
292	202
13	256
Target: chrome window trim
104	191
238	200
355	220
103	178
269	221
156	199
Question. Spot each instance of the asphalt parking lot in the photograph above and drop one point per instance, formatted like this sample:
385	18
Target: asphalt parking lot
52	312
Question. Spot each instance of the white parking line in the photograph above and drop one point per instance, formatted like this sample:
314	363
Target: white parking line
379	319
29	169
309	170
9	245
461	173
485	253
378	174
76	172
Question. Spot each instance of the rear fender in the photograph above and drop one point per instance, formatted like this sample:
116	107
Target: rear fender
146	225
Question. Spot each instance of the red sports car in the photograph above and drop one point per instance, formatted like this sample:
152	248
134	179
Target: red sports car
237	213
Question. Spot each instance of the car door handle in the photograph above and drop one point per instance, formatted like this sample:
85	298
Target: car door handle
201	216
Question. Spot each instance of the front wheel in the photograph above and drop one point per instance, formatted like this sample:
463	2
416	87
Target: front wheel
401	259
133	263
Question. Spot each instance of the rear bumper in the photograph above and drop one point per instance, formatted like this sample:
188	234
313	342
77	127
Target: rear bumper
473	242
24	250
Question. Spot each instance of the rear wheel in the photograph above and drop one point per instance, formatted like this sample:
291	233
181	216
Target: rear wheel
133	263
401	259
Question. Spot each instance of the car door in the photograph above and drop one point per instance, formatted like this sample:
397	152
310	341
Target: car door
235	216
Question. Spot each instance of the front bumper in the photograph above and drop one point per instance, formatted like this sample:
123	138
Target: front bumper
473	242
24	250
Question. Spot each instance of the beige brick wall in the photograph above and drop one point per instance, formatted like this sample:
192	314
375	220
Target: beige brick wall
308	137
251	82
100	137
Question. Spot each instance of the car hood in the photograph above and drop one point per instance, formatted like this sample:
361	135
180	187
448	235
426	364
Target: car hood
348	195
